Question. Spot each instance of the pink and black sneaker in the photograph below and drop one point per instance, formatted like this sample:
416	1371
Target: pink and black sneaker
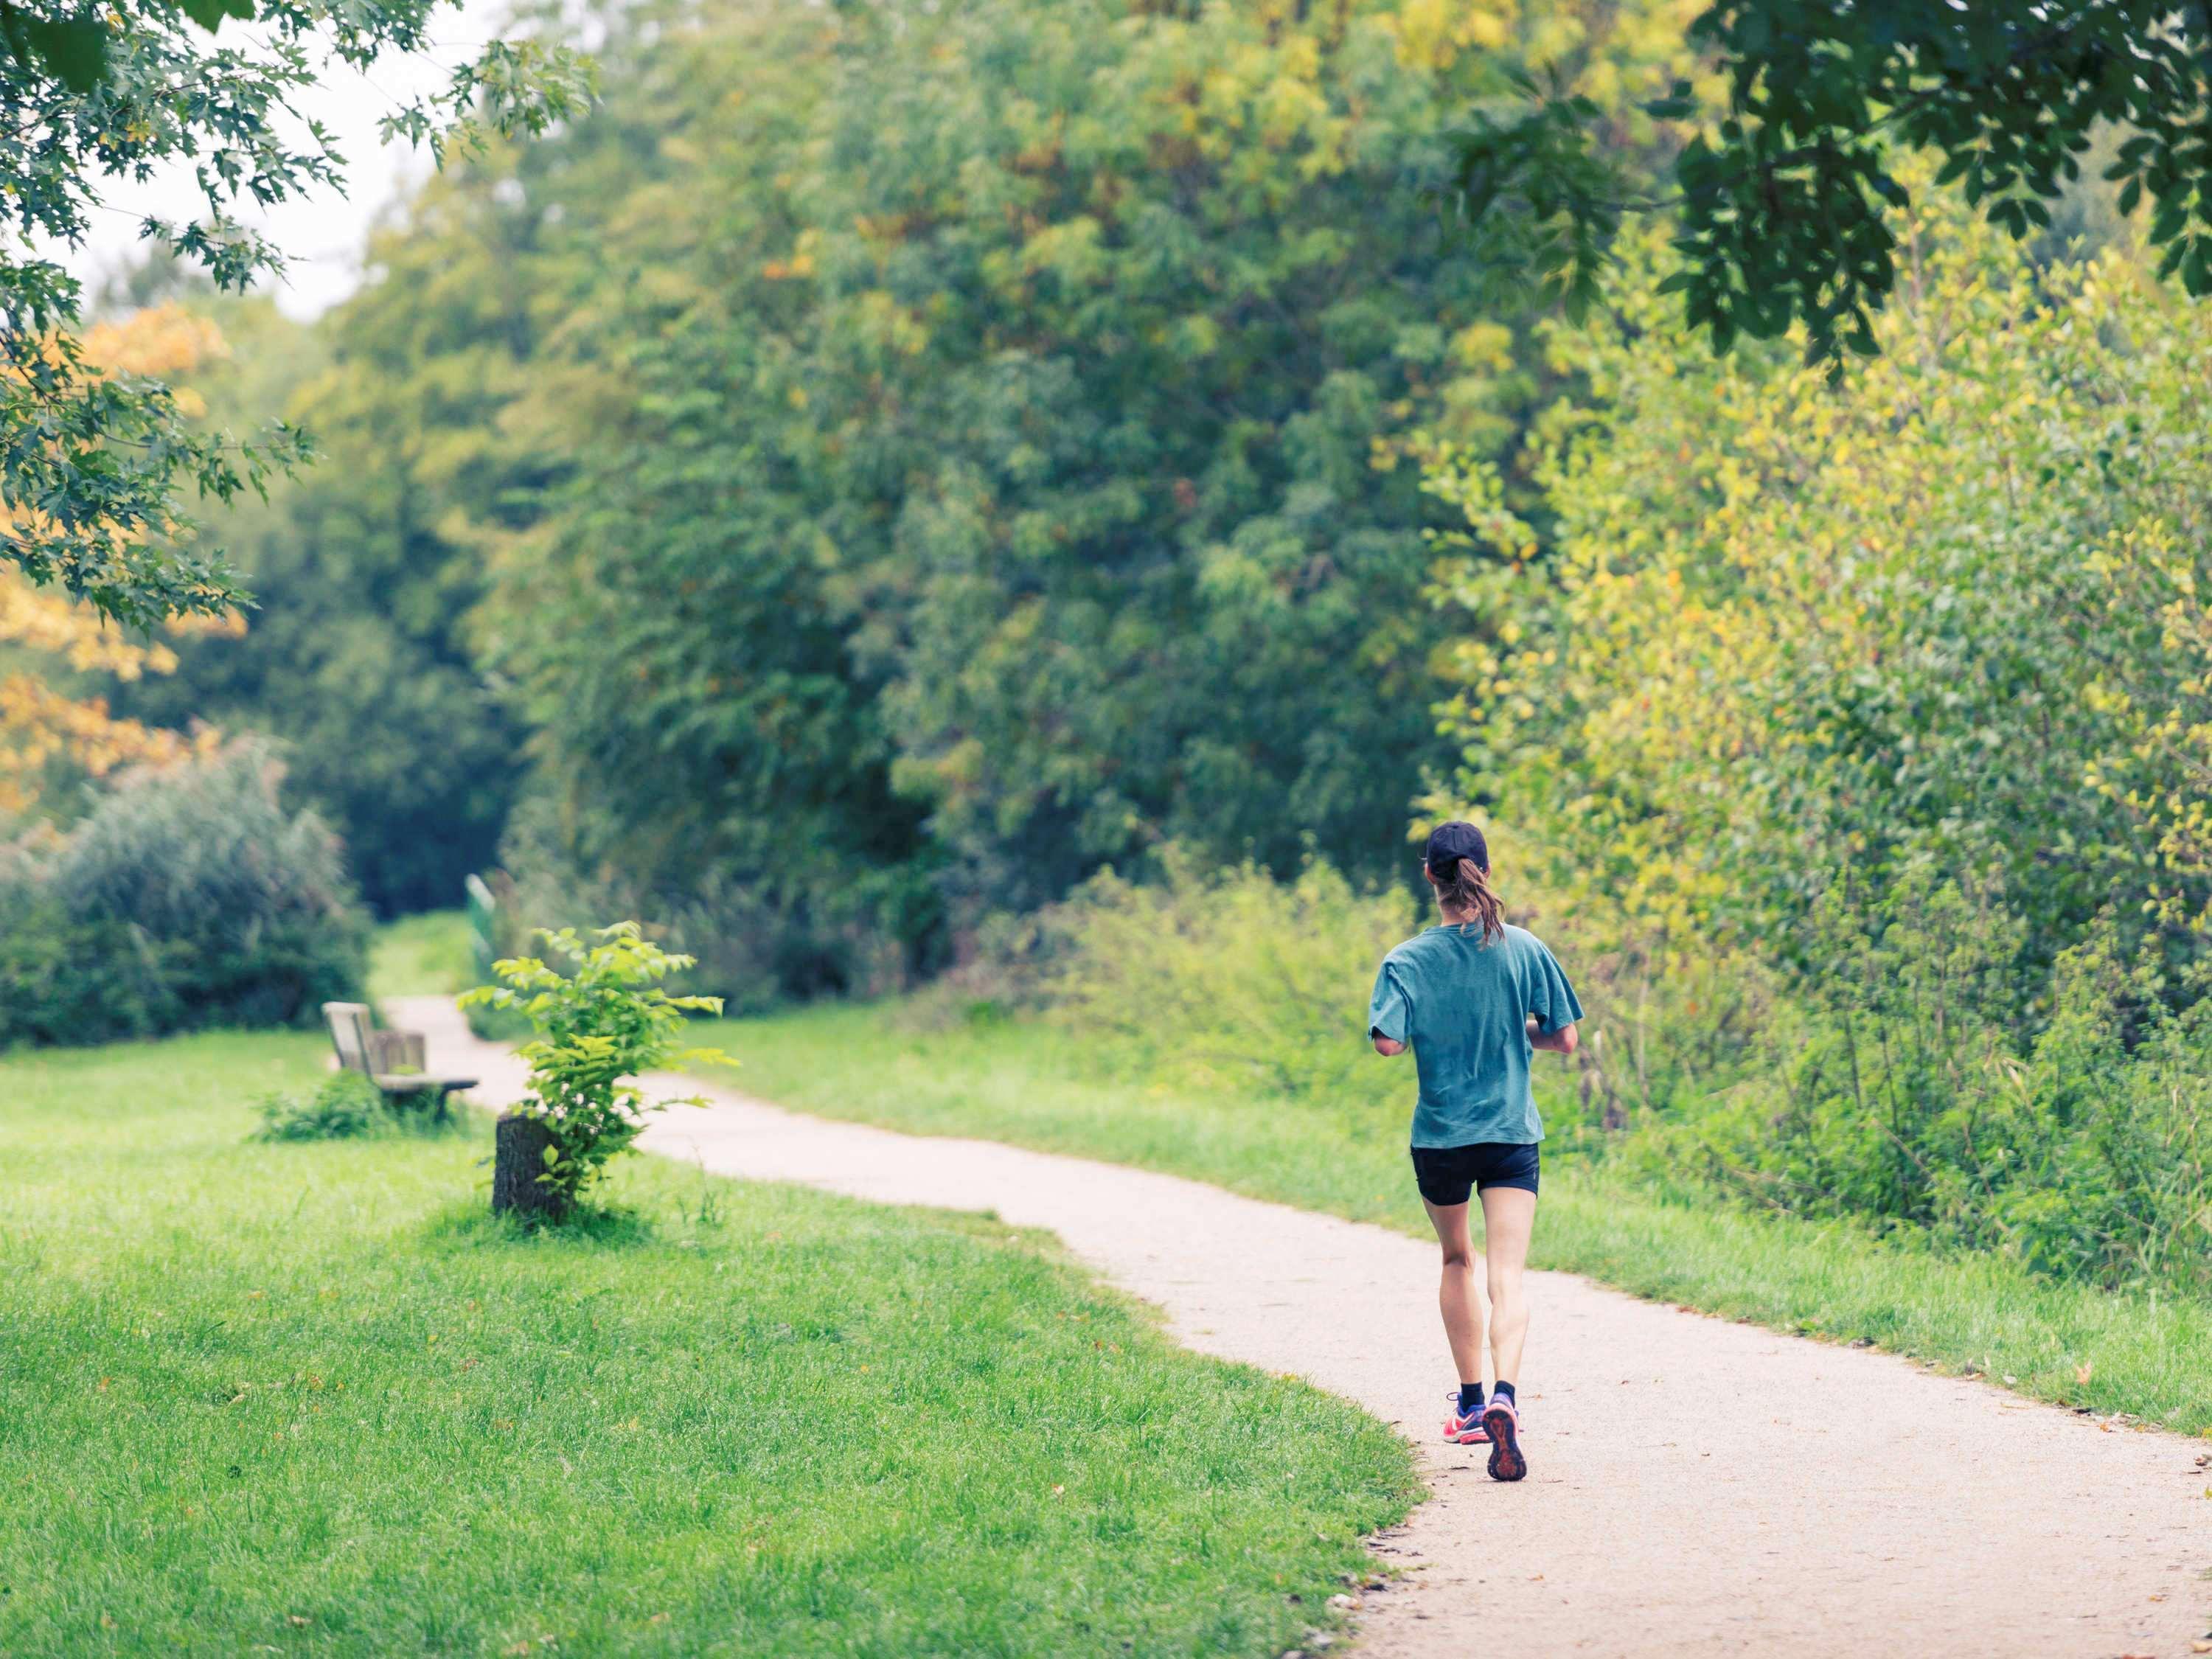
1501	1426
1466	1431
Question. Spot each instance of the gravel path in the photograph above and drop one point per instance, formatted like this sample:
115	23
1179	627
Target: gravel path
1695	1486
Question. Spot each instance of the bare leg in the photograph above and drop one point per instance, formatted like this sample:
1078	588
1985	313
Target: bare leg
1509	1216
1459	1296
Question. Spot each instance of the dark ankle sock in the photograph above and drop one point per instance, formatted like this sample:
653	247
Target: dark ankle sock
1504	1391
1470	1399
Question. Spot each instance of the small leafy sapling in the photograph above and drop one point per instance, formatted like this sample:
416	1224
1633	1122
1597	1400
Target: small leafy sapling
601	1024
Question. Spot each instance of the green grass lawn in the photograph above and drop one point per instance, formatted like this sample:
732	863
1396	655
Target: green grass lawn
1040	1085
307	1399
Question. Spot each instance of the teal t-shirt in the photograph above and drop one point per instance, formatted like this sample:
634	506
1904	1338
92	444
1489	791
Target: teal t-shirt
1464	1006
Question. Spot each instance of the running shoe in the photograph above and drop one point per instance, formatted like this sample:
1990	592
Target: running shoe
1501	1428
1463	1431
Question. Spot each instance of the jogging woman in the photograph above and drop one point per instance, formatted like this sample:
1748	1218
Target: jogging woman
1471	997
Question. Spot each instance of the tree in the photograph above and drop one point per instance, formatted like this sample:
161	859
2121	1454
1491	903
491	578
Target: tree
94	465
996	463
52	726
1947	618
357	655
1780	214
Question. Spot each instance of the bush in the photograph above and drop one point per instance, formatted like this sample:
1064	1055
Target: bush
345	1106
1233	976
187	898
600	1019
1900	1085
1908	1091
751	943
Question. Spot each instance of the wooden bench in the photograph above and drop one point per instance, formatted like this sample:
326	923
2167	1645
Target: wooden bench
393	1060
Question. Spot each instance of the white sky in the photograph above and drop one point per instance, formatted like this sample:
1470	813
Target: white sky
324	233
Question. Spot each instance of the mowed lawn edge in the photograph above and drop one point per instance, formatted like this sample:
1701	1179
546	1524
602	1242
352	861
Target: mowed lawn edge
1033	1083
307	1399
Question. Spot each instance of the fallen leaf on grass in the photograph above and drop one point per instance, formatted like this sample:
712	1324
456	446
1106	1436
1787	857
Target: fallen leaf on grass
2084	1371
658	1619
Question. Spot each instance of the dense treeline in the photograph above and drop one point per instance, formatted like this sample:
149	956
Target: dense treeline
890	465
920	456
1851	743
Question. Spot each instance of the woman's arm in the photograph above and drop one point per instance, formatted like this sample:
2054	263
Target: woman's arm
1561	1041
1386	1046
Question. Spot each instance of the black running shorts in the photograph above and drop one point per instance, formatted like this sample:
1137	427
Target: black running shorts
1447	1174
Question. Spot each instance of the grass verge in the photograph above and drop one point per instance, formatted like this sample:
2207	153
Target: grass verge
1037	1084
308	1399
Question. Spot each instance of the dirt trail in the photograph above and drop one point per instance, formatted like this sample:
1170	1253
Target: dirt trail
1695	1486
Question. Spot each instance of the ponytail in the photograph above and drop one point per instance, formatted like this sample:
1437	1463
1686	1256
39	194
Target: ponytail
1466	889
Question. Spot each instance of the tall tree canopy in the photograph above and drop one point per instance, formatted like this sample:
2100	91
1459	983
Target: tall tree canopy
993	436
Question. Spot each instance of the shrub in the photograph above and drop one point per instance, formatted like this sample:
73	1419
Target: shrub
1233	975
345	1106
1945	616
1909	1090
602	1020
1900	1085
186	897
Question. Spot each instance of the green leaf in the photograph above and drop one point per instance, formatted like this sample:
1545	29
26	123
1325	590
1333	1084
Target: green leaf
74	50
210	13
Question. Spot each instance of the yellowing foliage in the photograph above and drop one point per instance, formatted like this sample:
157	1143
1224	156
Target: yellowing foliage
1951	617
43	722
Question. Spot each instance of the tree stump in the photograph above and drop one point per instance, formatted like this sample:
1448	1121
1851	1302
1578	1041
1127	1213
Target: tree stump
518	1159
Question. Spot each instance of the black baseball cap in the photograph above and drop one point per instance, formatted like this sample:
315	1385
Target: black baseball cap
1450	843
